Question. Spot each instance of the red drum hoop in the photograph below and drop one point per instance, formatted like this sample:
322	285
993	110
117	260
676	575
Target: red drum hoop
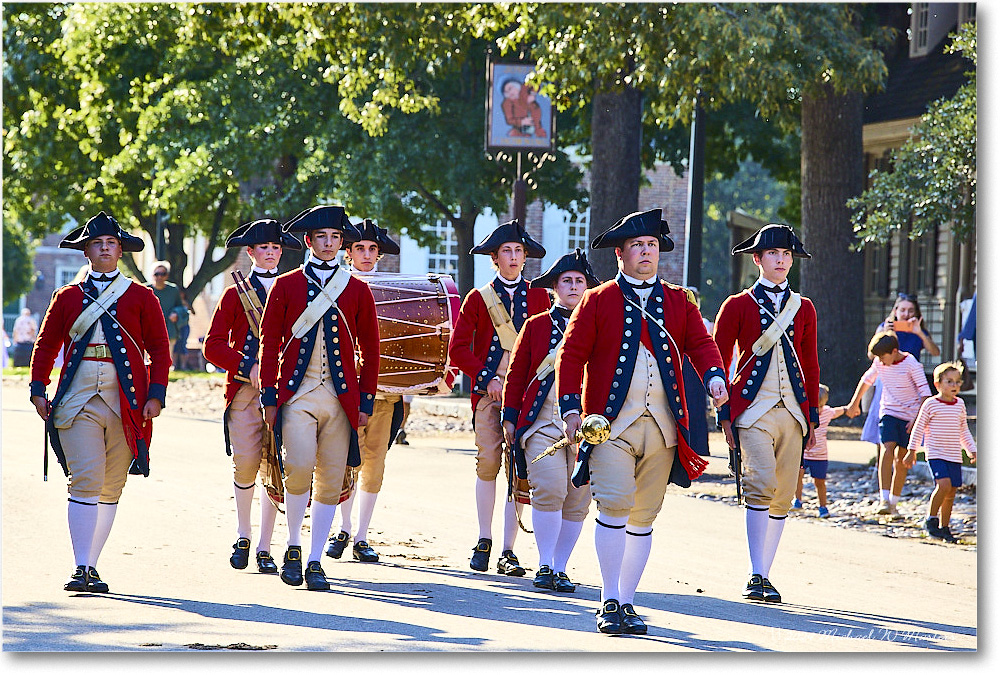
416	314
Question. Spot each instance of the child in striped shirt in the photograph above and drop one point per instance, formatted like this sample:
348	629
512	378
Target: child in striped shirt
815	459
904	388
942	429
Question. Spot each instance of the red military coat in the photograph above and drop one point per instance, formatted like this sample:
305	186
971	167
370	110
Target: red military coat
740	322
230	343
523	393
135	316
601	346
475	347
283	359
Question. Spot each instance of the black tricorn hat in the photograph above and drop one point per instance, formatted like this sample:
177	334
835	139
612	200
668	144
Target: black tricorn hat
774	235
322	217
264	231
369	231
511	231
639	224
100	225
575	261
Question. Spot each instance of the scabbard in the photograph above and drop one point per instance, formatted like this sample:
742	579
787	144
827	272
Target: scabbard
736	465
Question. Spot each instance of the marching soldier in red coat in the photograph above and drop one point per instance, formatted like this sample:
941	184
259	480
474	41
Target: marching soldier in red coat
480	345
375	439
314	397
626	341
232	345
100	418
532	424
774	408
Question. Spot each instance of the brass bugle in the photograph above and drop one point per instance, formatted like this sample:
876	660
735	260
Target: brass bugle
595	429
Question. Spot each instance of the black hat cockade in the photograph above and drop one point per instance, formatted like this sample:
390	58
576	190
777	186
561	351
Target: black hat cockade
321	218
101	225
264	231
575	261
639	224
774	235
369	231
511	232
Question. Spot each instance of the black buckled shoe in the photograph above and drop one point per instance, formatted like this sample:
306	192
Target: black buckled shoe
291	569
265	563
241	554
316	577
94	583
563	584
545	579
632	624
77	582
338	543
771	593
755	588
509	564
609	619
481	555
364	553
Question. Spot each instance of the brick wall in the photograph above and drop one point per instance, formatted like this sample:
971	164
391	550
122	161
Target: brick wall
668	191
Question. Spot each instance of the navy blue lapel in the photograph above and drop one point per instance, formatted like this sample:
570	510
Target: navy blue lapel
259	287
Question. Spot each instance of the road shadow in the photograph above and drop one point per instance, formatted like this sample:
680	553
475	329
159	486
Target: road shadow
810	628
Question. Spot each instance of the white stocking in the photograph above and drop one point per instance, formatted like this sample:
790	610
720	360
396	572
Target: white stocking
569	533
366	507
268	513
774	528
610	545
638	542
486	497
82	523
756	533
244	501
295	513
322	520
105	519
546	525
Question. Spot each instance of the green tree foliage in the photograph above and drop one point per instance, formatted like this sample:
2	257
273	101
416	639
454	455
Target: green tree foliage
750	189
18	270
198	117
933	175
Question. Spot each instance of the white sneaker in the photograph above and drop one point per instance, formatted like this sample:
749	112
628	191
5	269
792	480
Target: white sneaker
884	508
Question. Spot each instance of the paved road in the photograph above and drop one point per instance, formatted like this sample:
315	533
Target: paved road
172	587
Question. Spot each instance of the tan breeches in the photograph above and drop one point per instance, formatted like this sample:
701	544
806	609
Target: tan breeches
771	452
246	435
374	440
549	477
96	452
316	435
629	474
489	436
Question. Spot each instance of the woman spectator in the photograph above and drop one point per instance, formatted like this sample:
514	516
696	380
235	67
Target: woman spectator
908	323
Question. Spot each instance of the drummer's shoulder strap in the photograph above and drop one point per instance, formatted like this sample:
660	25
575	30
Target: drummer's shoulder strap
88	316
779	326
502	322
323	301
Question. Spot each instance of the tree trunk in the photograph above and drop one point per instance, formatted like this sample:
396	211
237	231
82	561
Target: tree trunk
464	237
832	173
616	138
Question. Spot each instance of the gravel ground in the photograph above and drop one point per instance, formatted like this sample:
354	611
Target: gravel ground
852	491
